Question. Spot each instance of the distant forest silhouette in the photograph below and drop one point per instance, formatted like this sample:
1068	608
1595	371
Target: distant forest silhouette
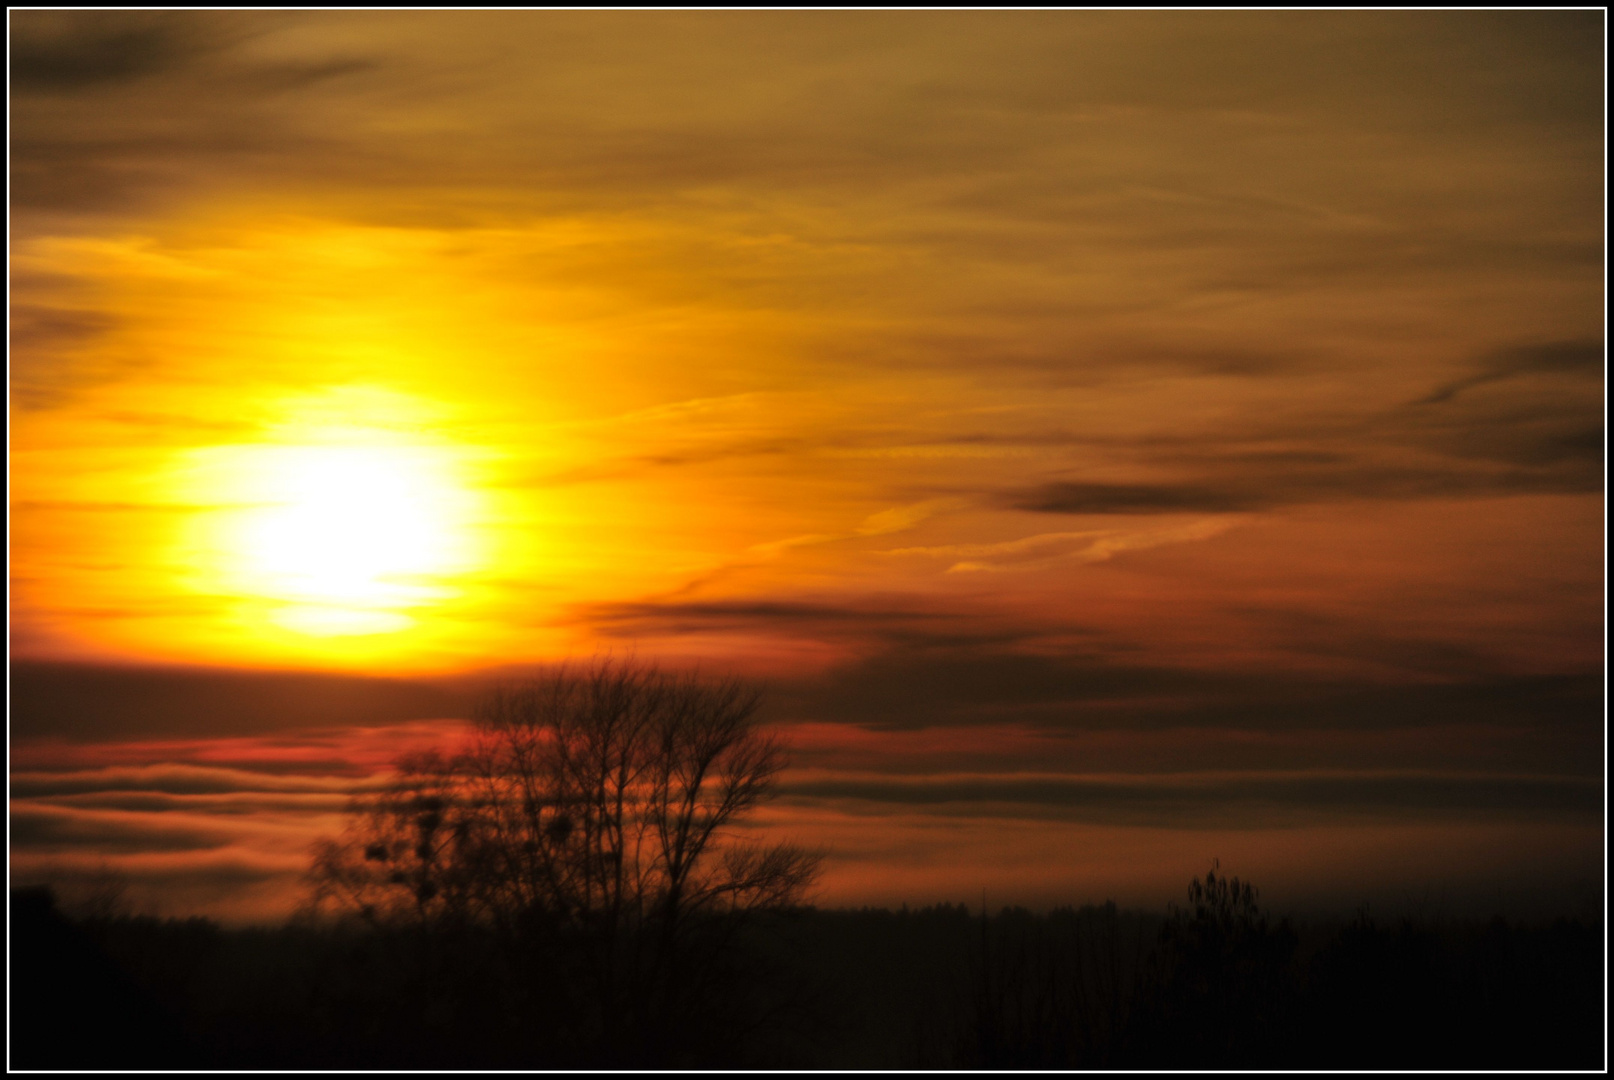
574	889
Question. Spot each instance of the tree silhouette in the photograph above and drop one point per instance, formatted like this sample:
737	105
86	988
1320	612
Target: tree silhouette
591	821
1223	984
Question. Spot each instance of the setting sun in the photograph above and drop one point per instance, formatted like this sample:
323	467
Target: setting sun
346	520
348	536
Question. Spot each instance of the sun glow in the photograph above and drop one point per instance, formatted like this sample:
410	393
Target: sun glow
349	535
335	529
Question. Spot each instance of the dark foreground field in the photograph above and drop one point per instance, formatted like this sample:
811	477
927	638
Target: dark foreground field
1213	985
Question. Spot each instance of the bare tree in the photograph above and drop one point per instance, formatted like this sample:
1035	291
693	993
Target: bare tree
594	812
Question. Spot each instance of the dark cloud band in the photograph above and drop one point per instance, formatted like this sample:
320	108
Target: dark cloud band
1194	801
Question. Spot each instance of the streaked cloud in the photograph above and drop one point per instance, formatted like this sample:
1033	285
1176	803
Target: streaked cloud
173	778
78	702
1269	800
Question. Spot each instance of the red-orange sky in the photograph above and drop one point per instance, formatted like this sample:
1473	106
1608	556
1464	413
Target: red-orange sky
1117	440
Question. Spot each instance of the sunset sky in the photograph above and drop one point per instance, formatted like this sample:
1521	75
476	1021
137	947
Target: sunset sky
1117	440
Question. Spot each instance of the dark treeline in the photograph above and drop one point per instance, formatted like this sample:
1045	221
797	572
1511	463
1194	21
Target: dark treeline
1214	984
573	888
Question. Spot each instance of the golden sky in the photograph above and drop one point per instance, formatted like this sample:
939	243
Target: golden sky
1071	375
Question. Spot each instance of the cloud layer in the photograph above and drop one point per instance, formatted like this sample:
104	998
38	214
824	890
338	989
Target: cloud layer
1163	429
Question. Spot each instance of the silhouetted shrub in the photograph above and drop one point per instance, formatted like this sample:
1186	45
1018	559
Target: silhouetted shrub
1222	988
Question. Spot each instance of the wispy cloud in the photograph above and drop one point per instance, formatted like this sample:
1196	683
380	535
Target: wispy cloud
1048	549
1582	358
884	522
